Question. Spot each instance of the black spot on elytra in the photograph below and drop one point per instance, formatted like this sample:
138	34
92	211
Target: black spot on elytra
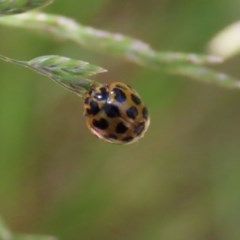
111	110
101	123
121	128
127	139
132	112
102	95
120	96
139	128
94	109
145	113
135	99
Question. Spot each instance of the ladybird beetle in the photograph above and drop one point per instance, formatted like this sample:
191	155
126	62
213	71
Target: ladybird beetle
115	113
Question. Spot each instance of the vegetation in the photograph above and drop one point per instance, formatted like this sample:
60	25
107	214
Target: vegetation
180	181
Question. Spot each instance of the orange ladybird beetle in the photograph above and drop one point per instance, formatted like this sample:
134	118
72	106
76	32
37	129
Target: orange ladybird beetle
115	113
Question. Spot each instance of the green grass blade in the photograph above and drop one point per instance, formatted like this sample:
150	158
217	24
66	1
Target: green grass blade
8	7
98	40
206	75
188	65
70	73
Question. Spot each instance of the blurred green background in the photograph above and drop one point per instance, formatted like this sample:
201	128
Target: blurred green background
180	182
